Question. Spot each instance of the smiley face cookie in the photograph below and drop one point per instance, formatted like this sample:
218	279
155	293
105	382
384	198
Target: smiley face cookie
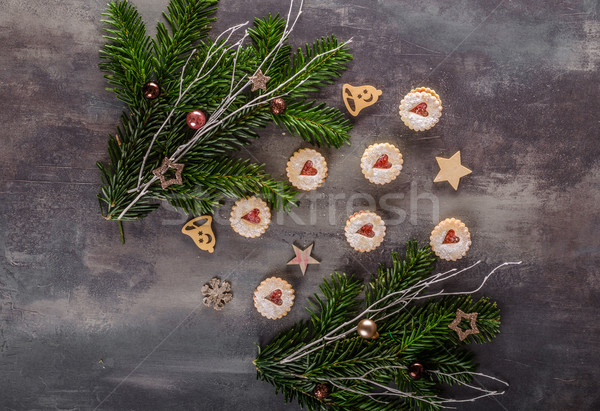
421	109
381	163
250	217
357	98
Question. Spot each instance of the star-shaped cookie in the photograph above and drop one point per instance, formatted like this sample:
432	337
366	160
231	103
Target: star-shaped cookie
451	170
303	258
259	81
160	173
459	317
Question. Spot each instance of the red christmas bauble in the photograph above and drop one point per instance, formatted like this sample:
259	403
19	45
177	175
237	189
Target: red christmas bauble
416	370
151	90
277	106
322	391
196	119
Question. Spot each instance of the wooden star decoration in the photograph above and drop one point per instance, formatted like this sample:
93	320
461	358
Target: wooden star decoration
160	173
451	170
259	81
303	258
460	315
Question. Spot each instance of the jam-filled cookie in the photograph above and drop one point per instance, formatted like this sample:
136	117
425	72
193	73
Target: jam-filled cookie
421	109
274	298
307	169
381	163
250	217
365	231
450	239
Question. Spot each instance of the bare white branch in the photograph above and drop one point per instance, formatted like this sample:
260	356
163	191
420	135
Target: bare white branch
403	298
218	117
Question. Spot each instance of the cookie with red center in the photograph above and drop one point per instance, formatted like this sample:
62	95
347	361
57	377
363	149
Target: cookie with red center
450	239
250	217
274	298
381	163
365	231
307	169
421	109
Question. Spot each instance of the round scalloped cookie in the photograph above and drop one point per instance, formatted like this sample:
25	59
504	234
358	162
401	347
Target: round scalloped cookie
421	109
381	163
307	169
273	298
365	231
450	239
250	217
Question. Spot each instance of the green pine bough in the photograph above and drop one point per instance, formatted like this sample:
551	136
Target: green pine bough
325	364
197	73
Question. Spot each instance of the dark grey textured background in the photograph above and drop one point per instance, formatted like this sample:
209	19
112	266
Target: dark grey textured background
85	320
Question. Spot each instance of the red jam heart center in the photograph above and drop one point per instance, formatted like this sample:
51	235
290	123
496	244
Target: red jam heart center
420	109
383	162
252	216
367	230
450	238
275	297
308	169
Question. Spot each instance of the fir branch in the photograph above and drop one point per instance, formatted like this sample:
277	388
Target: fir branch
189	21
320	64
316	123
266	34
214	78
338	305
127	56
374	374
239	178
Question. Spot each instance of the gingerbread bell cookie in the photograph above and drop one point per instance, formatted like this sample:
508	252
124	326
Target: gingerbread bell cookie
381	163
357	98
307	169
365	231
450	239
421	109
250	217
274	298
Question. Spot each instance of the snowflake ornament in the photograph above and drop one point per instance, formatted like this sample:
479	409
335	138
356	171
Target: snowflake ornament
216	295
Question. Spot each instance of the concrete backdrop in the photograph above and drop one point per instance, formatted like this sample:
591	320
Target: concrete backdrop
85	320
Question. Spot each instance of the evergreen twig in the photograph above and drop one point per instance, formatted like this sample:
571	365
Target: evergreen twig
197	73
413	326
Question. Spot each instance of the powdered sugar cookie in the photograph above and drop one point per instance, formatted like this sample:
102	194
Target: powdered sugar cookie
365	231
250	217
450	239
273	298
307	169
381	163
421	109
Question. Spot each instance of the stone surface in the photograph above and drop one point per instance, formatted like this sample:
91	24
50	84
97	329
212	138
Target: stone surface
88	322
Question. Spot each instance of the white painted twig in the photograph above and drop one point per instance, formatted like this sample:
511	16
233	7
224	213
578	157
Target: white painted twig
216	118
421	285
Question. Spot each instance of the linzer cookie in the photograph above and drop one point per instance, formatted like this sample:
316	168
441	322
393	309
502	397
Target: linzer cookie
365	231
274	298
450	239
250	217
421	109
307	169
381	163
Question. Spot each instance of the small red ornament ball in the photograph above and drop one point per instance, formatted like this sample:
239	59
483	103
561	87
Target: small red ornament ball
196	119
151	90
415	371
322	391
277	106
